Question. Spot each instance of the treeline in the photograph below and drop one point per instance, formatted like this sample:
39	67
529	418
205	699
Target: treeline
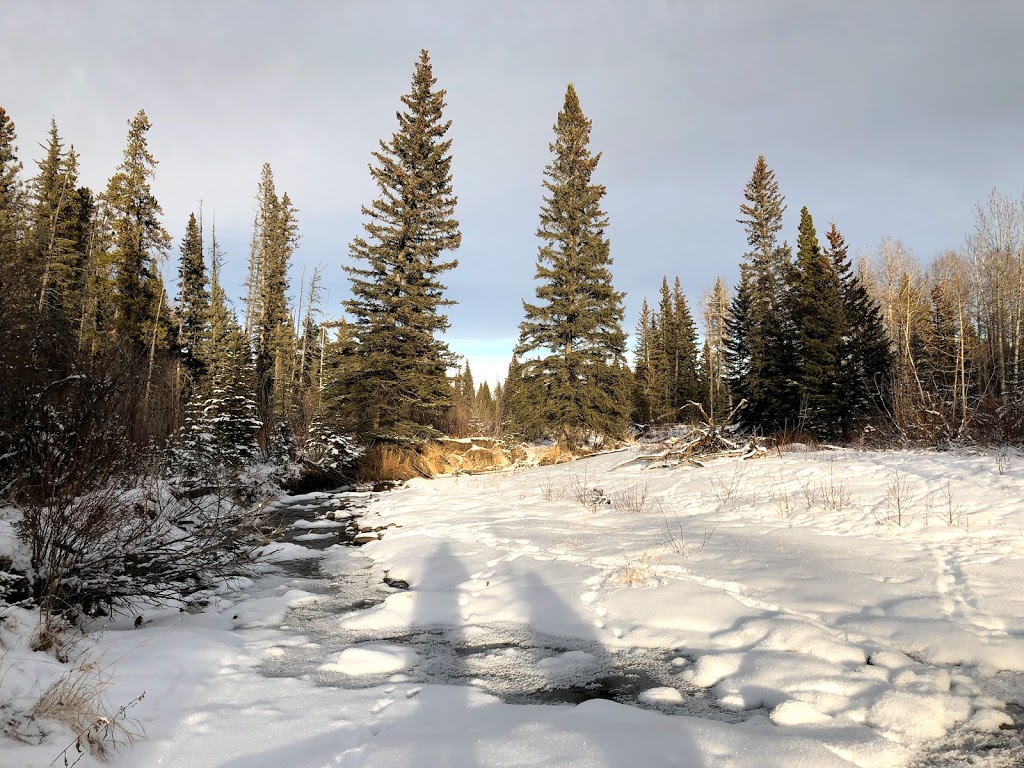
96	353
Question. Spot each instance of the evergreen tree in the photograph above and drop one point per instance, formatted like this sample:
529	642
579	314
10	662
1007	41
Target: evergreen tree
13	282
866	359
817	311
681	343
58	228
398	385
221	421
576	327
760	343
193	299
646	389
139	240
275	238
712	368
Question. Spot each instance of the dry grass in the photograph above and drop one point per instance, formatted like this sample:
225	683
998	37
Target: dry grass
548	455
78	700
384	461
387	461
639	571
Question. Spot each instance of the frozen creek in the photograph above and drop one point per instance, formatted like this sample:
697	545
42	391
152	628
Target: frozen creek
507	660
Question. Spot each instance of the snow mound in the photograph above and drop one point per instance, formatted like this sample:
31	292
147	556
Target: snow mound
663	695
371	659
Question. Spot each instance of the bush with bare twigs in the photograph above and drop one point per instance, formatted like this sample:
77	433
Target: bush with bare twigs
98	552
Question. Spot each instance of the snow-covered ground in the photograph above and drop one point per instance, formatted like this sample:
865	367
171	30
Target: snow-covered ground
831	608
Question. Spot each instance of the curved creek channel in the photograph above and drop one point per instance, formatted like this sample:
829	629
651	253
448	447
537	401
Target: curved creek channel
512	662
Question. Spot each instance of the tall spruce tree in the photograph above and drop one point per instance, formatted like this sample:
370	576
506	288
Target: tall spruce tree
866	358
645	390
681	343
760	330
712	368
577	375
193	299
275	237
139	240
817	311
397	386
58	227
13	282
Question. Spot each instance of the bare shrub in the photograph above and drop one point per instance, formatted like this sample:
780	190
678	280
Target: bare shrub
834	495
675	540
954	512
898	493
726	484
78	700
552	490
98	552
633	498
811	492
782	502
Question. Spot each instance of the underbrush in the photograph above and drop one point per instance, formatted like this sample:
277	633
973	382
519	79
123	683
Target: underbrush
97	553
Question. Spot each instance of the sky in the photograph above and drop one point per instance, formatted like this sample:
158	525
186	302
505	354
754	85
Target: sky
890	117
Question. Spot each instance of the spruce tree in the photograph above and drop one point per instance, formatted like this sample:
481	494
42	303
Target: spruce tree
866	359
57	245
817	311
398	385
275	237
577	374
193	299
712	370
139	240
760	344
682	352
13	283
221	421
644	375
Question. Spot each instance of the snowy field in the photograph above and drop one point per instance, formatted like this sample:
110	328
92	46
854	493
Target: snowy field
833	608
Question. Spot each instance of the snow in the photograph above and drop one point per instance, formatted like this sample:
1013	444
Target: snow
371	659
786	618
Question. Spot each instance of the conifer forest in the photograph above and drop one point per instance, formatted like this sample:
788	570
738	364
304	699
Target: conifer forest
159	422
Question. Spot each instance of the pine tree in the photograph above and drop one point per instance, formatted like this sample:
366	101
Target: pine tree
760	344
139	240
866	359
817	311
576	326
193	299
398	385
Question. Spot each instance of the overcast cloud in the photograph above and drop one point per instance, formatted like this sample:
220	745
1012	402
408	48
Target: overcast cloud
889	117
